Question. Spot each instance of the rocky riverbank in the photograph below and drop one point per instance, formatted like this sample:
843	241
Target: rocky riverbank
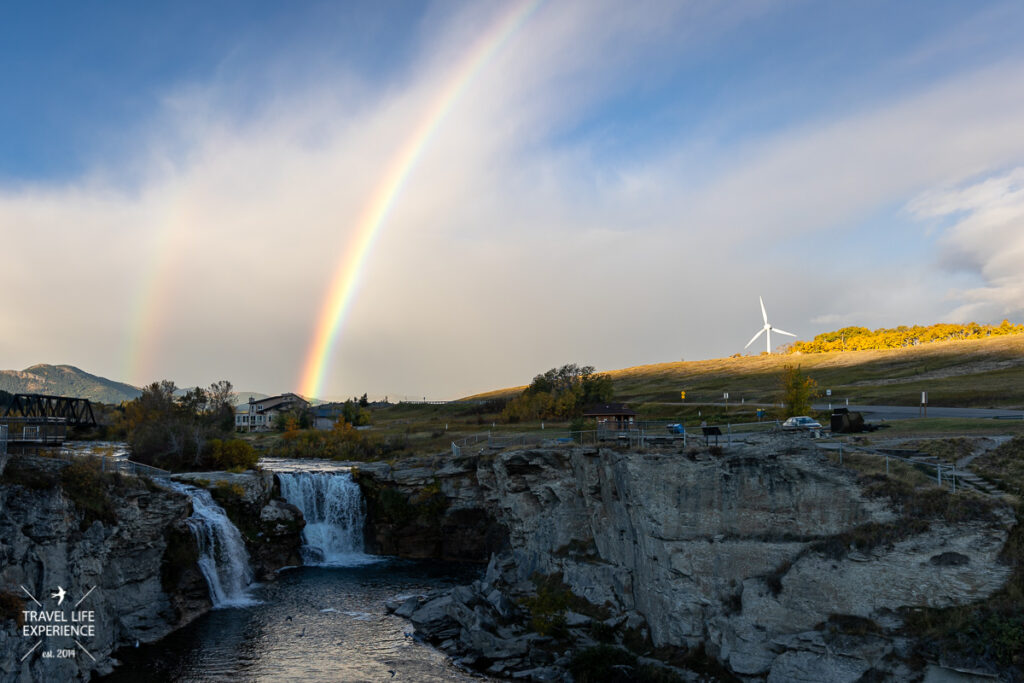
764	563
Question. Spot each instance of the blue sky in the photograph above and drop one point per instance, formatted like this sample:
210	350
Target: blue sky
855	163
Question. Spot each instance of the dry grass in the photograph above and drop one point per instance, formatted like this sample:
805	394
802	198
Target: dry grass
948	450
1004	466
875	465
980	372
944	427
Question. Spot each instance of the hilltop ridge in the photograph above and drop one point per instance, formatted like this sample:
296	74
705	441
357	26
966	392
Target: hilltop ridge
66	380
986	372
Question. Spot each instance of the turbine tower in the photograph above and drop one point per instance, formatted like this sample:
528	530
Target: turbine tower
767	329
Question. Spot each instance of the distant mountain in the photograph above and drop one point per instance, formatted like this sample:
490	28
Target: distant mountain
66	380
242	397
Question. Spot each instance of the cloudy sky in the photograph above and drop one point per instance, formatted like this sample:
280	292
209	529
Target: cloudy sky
614	185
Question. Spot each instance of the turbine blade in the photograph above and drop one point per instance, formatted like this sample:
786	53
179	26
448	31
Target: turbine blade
764	313
755	337
777	330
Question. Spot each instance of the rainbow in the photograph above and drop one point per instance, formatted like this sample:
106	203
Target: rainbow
151	297
353	260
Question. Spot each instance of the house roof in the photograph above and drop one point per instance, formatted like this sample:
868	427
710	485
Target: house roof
609	409
329	410
272	402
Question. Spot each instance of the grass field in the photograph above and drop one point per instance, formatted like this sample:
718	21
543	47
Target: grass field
972	373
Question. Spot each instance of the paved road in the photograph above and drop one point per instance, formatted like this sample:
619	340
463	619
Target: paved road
905	412
883	412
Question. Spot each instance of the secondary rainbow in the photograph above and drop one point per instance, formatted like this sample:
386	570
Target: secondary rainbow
153	292
346	278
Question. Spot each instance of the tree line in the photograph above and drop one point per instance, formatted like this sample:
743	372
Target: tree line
193	430
863	339
560	393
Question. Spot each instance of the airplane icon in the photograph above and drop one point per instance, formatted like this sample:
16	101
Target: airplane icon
59	595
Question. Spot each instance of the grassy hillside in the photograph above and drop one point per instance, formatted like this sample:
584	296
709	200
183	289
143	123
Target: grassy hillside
66	380
976	373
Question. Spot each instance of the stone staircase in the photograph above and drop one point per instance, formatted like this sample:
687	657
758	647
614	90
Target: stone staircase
964	477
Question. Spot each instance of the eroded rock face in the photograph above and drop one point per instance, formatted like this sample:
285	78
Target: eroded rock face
270	526
428	508
141	558
140	594
732	555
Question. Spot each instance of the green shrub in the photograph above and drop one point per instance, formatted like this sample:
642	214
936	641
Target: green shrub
547	608
23	473
87	487
227	493
232	454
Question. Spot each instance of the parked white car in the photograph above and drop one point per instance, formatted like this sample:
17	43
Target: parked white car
801	422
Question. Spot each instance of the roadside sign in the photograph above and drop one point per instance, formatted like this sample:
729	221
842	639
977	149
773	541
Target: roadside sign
828	392
726	396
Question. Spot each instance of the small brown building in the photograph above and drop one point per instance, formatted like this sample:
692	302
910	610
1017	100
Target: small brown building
612	416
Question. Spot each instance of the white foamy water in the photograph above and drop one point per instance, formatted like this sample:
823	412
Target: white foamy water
223	559
333	507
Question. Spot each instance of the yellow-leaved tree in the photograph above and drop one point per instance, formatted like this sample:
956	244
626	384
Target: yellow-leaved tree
798	390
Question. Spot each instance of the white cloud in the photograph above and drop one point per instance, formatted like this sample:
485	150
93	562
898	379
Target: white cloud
985	240
504	255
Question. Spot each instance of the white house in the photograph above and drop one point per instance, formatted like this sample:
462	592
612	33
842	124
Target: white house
259	414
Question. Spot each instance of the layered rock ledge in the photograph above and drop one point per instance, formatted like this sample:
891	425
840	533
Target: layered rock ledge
765	563
75	527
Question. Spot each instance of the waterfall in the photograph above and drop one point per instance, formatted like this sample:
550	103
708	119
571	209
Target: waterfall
333	507
223	559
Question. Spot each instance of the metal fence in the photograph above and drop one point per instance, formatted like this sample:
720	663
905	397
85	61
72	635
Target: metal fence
114	464
638	435
944	471
35	430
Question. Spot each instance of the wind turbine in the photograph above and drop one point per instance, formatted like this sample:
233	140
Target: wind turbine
767	328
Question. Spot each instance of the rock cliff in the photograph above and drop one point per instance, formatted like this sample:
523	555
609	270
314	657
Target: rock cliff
765	563
271	526
126	538
75	527
429	507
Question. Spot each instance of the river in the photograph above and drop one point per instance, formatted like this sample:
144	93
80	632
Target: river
312	624
324	621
